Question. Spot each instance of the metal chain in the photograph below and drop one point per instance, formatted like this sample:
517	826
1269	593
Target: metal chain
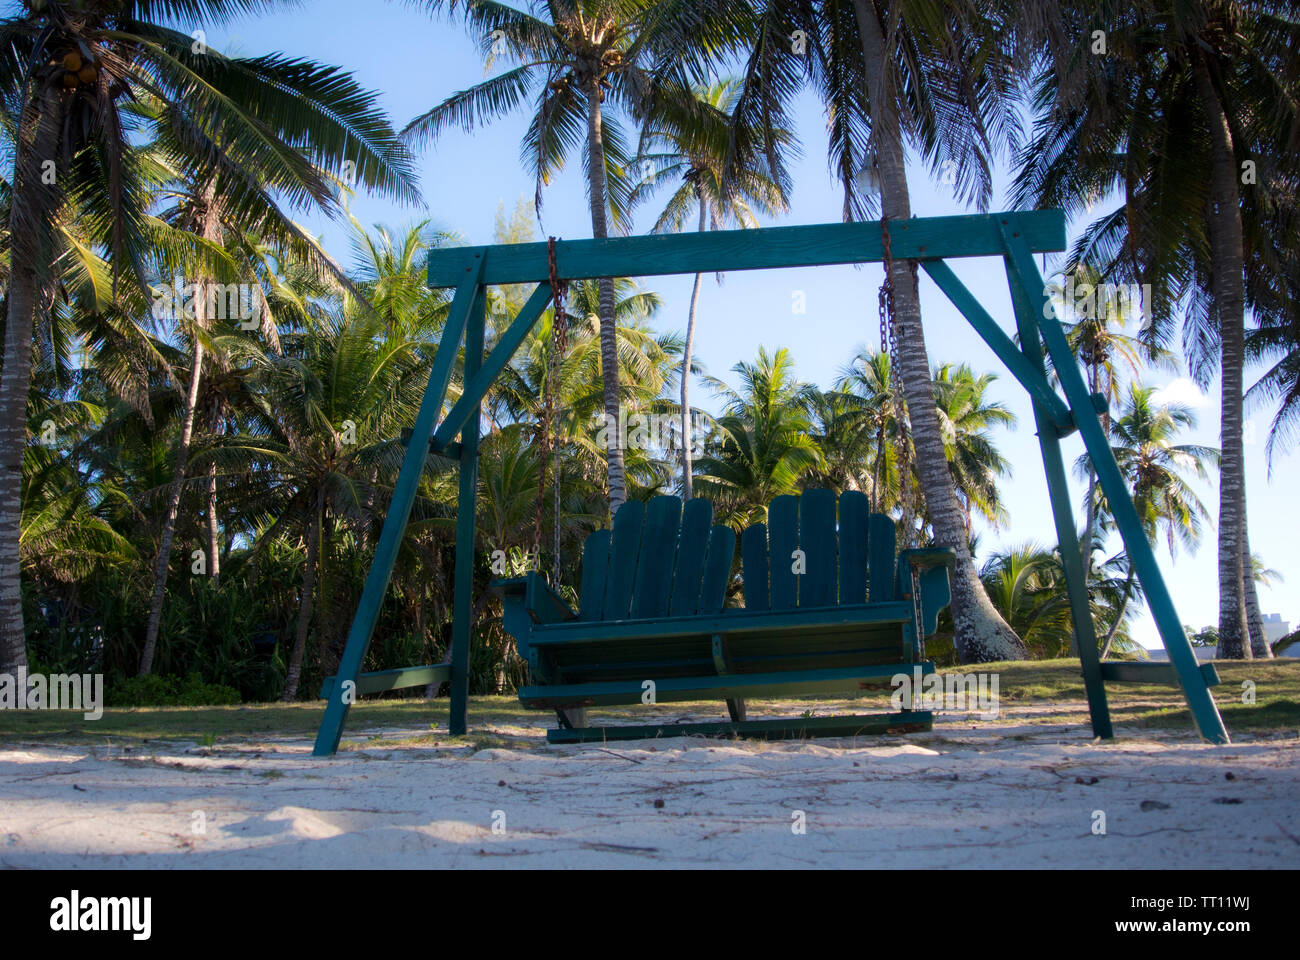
889	345
547	446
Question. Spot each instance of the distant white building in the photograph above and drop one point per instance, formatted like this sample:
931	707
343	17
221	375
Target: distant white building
1275	628
1203	654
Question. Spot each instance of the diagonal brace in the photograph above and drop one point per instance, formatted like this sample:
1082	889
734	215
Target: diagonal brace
1002	345
479	384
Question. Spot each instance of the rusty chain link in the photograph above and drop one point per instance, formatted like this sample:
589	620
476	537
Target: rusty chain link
889	346
547	446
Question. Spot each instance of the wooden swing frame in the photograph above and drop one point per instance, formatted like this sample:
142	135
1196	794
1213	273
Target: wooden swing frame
1014	237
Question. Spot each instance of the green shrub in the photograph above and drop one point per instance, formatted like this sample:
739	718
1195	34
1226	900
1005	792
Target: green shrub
157	690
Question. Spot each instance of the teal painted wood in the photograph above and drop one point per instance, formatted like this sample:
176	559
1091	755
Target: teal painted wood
478	385
931	566
782	542
717	570
732	621
817	539
880	549
652	592
544	604
1085	637
466	544
399	679
623	550
936	594
731	250
1021	267
722	663
399	509
854	510
754	568
782	729
1128	671
1034	382
515	619
675	689
595	566
692	548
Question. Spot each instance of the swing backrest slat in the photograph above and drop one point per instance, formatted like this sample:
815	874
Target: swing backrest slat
817	545
753	560
853	525
595	568
782	541
692	548
717	570
881	550
623	550
654	570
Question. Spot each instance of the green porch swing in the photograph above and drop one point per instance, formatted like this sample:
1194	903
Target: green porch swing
610	647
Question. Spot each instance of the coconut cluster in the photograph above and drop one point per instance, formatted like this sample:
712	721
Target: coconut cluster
77	71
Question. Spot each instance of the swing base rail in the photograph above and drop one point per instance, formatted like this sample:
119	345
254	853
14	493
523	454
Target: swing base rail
1152	671
781	728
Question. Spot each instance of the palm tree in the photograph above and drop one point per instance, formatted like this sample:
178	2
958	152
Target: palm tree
1027	584
1156	469
892	73
1094	314
966	415
864	426
329	410
258	127
1189	97
766	446
694	151
572	55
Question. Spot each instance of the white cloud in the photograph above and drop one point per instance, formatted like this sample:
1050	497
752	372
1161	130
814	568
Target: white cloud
1181	390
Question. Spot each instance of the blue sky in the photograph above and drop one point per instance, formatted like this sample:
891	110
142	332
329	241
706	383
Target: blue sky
416	61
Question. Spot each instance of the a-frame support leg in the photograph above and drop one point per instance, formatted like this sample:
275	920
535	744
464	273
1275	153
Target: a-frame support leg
1058	490
399	512
1021	268
466	507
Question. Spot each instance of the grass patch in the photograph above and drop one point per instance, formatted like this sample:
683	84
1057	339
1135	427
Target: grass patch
1053	684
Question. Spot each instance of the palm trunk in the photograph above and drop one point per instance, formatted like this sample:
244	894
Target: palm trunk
163	560
1090	524
307	603
1227	286
32	208
687	466
1259	648
1119	614
214	537
608	331
981	635
210	230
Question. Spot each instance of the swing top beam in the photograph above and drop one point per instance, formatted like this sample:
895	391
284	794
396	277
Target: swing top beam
932	238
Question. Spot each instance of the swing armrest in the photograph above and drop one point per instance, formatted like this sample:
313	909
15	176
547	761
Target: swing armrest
534	596
926	557
931	565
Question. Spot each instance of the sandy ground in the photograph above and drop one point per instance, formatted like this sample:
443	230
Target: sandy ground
970	794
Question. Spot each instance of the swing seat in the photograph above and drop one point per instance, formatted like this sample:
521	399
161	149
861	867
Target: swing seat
830	609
